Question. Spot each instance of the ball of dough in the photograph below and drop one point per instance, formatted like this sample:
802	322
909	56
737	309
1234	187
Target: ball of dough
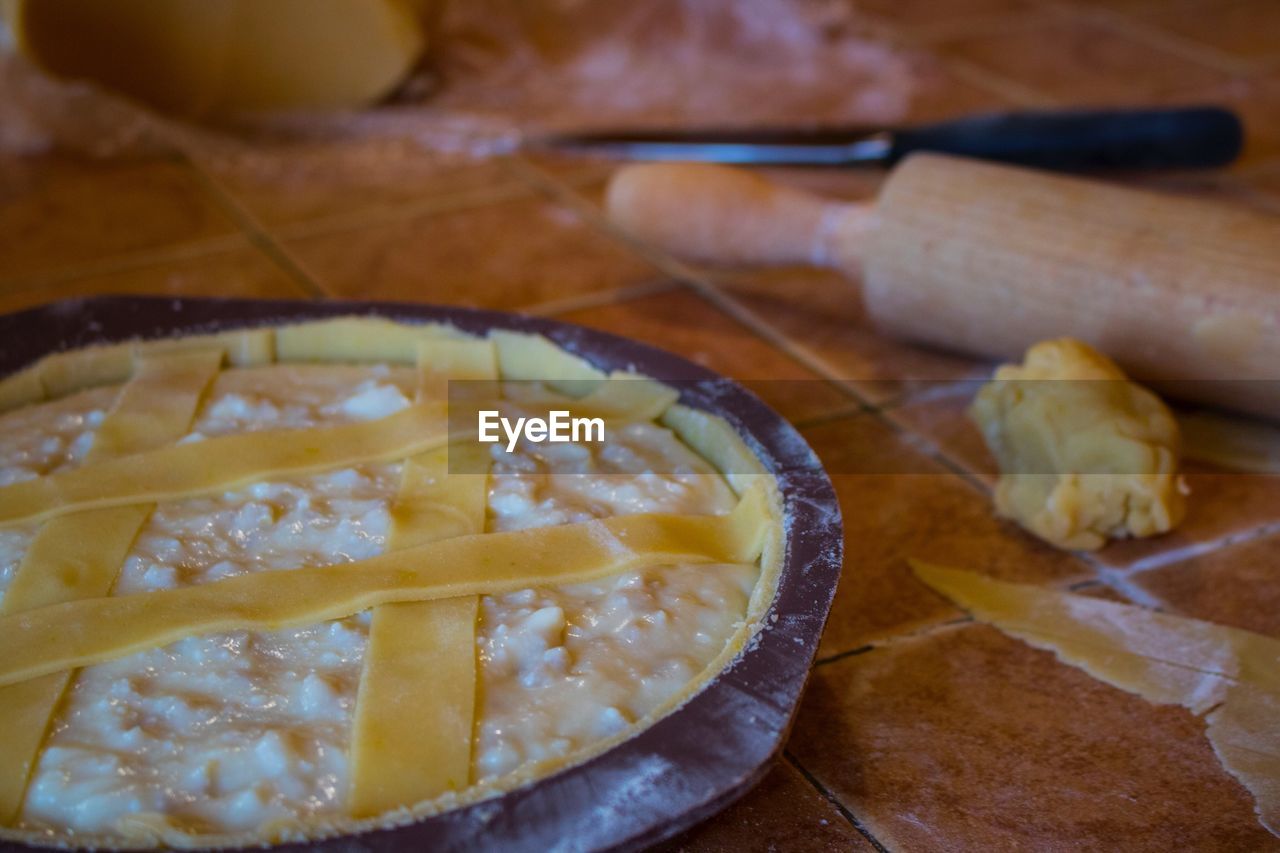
1085	455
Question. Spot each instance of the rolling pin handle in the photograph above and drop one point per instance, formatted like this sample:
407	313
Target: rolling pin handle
720	215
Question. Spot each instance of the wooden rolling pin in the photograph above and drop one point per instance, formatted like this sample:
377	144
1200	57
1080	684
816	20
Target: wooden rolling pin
989	259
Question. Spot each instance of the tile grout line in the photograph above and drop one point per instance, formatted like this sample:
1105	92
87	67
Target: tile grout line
455	202
997	24
566	195
1119	582
931	390
933	450
1125	579
750	320
601	298
174	252
921	630
1172	557
1102	576
833	800
839	656
928	42
990	82
1154	37
257	234
831	417
997	84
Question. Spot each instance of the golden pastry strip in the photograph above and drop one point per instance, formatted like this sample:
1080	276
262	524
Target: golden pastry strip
415	715
225	462
357	339
442	360
64	372
79	555
78	633
1229	675
157	405
25	709
412	734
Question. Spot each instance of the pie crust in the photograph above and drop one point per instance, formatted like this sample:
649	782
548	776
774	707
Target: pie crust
409	734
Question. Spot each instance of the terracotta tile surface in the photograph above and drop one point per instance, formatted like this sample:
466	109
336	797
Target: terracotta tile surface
1086	63
1121	6
507	255
1235	585
912	13
968	740
898	504
1242	29
783	813
350	180
1103	591
944	93
1258	100
940	416
1266	180
60	212
241	272
1230	186
1222	505
822	312
685	323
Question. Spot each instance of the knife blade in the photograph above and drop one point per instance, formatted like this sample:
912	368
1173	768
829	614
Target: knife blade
1185	137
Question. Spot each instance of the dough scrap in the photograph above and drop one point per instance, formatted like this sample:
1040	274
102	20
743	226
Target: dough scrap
1085	455
1228	675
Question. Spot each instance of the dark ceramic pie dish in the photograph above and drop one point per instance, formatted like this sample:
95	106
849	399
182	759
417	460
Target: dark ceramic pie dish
683	768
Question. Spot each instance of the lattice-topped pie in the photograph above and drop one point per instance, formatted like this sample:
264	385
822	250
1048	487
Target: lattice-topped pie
259	585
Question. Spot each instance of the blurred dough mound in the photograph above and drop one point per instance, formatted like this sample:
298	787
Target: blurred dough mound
1085	455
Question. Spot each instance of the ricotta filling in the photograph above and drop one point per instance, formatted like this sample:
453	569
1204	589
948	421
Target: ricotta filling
232	732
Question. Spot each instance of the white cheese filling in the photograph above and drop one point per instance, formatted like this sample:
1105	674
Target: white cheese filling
231	732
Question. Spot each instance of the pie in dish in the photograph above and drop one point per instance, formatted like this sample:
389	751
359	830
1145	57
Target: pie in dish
265	585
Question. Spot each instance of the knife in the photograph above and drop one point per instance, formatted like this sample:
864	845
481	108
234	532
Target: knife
1179	138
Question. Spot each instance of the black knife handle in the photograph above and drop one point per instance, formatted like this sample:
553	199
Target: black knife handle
1183	138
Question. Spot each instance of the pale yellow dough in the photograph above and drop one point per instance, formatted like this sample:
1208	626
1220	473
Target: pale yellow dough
1085	455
